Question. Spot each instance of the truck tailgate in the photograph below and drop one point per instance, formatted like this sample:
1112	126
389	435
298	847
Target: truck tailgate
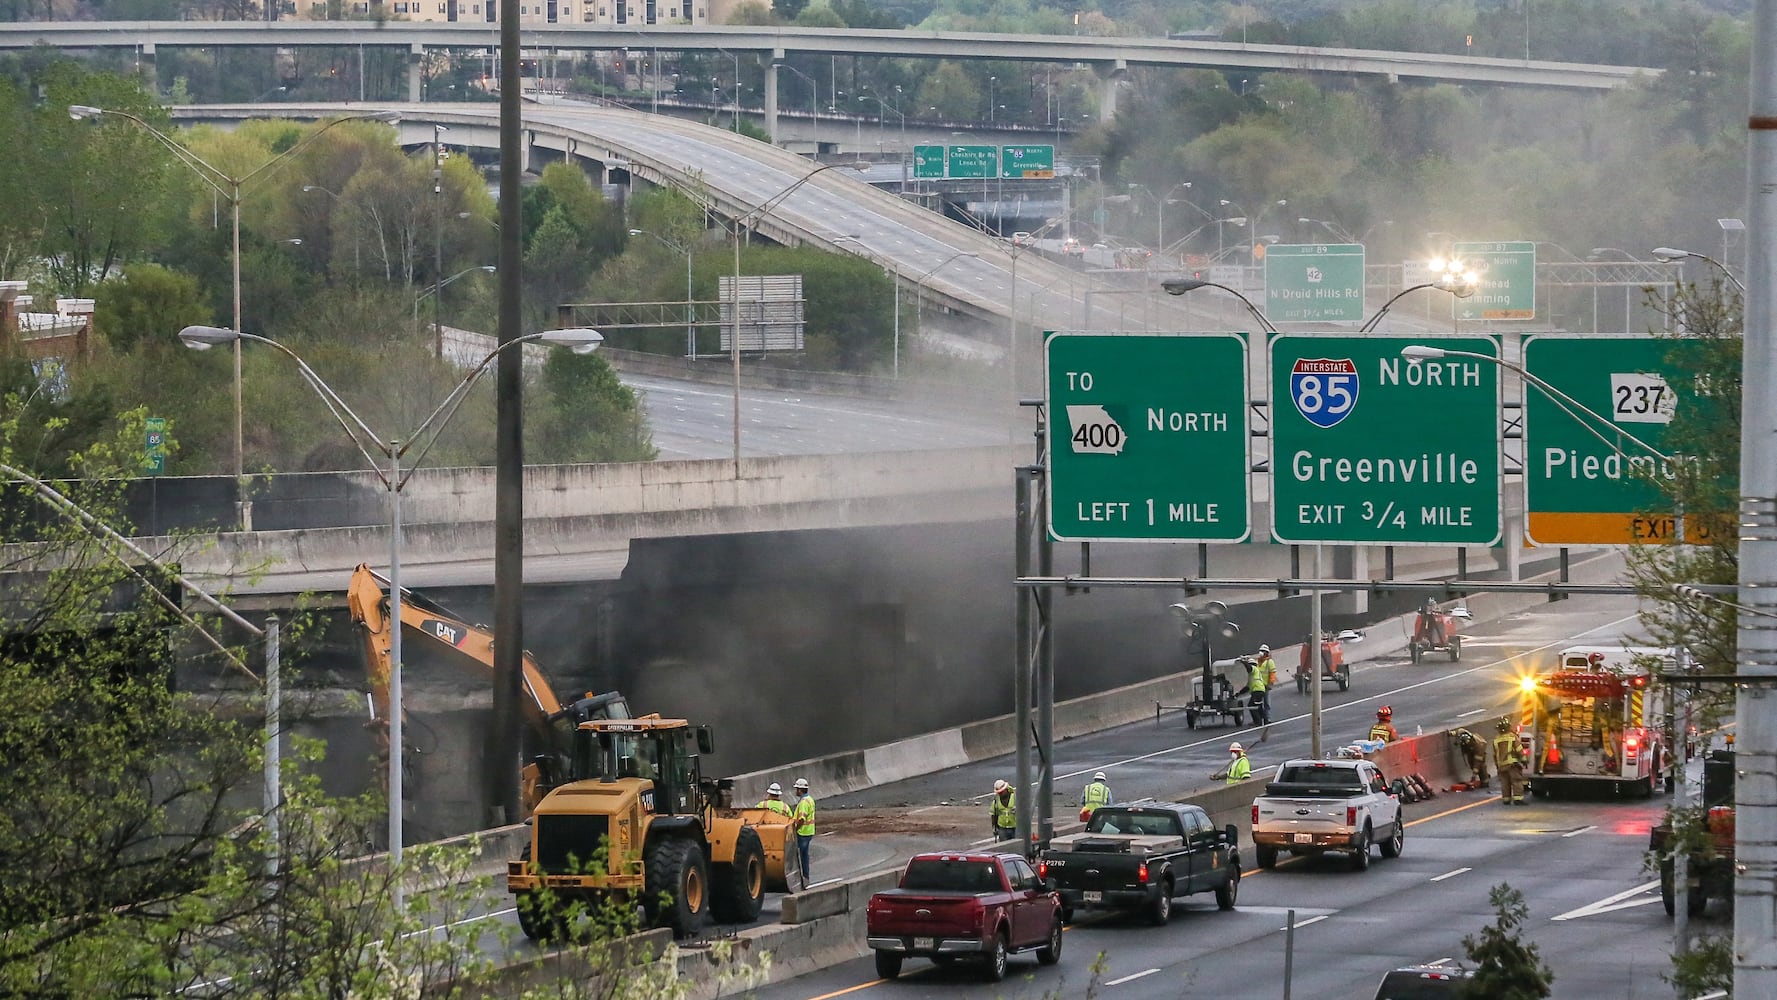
1305	815
895	913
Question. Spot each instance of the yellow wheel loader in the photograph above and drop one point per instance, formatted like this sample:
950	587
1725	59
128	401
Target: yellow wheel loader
641	825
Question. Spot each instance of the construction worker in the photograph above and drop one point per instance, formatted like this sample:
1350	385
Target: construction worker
1238	769
1097	793
1002	809
1474	753
774	800
1259	679
802	818
1508	760
1383	729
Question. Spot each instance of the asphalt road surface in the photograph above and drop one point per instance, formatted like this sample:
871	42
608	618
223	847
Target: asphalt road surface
693	420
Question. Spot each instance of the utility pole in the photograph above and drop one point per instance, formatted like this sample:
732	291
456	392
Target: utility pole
1755	828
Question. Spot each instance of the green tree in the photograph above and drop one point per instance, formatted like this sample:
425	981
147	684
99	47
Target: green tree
148	303
585	414
1506	968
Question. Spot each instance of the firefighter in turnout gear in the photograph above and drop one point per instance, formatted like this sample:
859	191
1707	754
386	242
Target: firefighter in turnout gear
1383	729
1097	794
1508	760
1002	809
1474	754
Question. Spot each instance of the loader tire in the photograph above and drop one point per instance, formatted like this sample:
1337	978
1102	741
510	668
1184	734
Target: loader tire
678	882
737	888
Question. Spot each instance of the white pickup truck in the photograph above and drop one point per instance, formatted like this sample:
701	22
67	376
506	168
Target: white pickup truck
1320	806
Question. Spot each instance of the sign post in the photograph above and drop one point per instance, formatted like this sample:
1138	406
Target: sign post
1148	437
1314	283
1369	448
1578	489
1507	287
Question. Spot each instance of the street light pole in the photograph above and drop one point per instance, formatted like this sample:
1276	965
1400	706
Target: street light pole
1460	286
581	341
229	187
437	239
1667	255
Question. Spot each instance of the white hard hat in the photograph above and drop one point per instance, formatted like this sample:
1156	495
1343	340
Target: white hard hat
1264	648
1099	776
1235	747
1000	785
774	789
802	784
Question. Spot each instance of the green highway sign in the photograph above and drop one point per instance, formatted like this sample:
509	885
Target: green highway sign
1027	161
1578	490
1148	437
1314	283
154	446
973	161
928	162
1507	273
1369	448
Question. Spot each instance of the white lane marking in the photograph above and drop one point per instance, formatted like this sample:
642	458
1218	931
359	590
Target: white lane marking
1477	711
1453	874
1620	901
1557	643
1575	833
1304	923
1131	978
825	881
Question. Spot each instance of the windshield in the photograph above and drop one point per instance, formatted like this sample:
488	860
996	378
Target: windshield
1155	824
952	875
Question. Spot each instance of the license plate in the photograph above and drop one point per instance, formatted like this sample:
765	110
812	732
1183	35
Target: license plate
1304	838
1094	897
922	944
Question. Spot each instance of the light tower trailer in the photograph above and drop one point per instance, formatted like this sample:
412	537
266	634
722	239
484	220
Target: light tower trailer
1592	722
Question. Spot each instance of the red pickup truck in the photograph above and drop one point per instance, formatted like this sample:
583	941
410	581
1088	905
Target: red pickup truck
950	906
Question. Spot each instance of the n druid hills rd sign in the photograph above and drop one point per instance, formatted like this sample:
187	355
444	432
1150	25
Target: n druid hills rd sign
1368	447
1148	437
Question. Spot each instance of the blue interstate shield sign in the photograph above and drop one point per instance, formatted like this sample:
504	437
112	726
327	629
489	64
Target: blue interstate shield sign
1324	389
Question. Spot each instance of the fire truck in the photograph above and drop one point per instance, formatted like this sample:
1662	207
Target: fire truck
1593	721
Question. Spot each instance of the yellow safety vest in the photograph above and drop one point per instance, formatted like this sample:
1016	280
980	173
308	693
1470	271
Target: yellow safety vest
1004	811
775	805
1239	769
1380	732
1097	794
1258	678
804	816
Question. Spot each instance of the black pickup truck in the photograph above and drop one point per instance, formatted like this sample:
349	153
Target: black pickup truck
1143	855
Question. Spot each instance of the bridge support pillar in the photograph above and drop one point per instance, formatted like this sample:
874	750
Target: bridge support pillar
771	95
1111	75
147	68
416	58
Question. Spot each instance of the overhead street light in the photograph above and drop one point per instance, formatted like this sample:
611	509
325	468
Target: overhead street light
228	186
580	341
1668	255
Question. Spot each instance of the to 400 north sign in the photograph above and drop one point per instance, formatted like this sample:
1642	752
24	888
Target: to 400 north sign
1148	437
1368	447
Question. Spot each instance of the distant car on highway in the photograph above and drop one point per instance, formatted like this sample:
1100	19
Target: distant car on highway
964	905
1022	239
1072	246
1423	982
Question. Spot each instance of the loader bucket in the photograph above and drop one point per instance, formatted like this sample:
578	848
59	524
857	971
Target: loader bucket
782	864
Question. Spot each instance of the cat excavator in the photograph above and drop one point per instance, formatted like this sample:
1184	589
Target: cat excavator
574	739
552	722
